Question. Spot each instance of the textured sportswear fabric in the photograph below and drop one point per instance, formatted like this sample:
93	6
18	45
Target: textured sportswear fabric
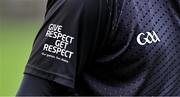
35	86
100	53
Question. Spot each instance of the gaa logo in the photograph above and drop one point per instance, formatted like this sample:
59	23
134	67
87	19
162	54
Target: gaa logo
148	37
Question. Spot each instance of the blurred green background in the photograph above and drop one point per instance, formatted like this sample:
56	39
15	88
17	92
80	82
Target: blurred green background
20	21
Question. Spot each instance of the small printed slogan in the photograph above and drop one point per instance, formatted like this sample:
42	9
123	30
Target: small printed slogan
62	41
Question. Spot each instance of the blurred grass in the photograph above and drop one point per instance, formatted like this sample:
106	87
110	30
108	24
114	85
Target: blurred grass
16	39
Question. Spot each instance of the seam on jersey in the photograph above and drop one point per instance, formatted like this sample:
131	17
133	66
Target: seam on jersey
60	75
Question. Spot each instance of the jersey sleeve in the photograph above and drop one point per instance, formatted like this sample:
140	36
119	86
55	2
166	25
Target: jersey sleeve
67	40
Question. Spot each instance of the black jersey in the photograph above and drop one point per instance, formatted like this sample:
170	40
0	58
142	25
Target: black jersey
110	47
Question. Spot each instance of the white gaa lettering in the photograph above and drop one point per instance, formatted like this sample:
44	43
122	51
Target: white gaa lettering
148	37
